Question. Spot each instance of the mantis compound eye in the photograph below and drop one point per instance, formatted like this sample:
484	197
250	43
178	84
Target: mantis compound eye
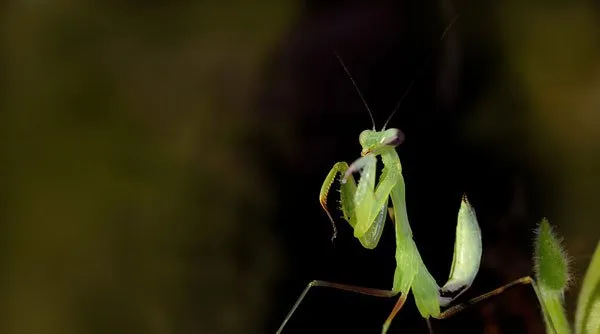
394	137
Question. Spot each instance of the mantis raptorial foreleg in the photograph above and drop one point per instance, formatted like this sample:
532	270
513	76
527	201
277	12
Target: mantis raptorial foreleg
370	203
347	190
352	198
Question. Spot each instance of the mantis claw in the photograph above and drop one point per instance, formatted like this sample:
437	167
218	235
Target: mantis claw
334	235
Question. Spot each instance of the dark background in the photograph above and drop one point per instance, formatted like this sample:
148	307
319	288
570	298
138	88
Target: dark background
161	161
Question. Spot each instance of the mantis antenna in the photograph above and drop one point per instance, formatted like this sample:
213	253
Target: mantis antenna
356	87
413	81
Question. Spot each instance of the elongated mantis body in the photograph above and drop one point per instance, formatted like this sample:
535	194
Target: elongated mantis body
365	207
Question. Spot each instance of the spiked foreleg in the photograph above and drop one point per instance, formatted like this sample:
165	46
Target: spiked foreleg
345	189
370	202
371	237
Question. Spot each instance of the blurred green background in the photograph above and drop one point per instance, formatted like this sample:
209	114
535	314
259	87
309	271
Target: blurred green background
129	203
134	198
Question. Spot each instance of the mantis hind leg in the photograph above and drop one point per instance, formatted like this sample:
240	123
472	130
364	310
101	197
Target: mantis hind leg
527	280
338	286
460	307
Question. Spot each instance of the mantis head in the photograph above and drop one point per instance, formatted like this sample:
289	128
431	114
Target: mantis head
377	141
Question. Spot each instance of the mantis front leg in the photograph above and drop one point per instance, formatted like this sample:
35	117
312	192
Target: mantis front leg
349	203
370	204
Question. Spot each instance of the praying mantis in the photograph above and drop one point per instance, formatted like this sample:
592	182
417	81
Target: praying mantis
365	207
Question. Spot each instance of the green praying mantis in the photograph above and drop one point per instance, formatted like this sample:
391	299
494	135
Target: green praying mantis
365	207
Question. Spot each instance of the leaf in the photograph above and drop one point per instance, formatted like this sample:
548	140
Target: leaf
551	263
588	304
552	276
